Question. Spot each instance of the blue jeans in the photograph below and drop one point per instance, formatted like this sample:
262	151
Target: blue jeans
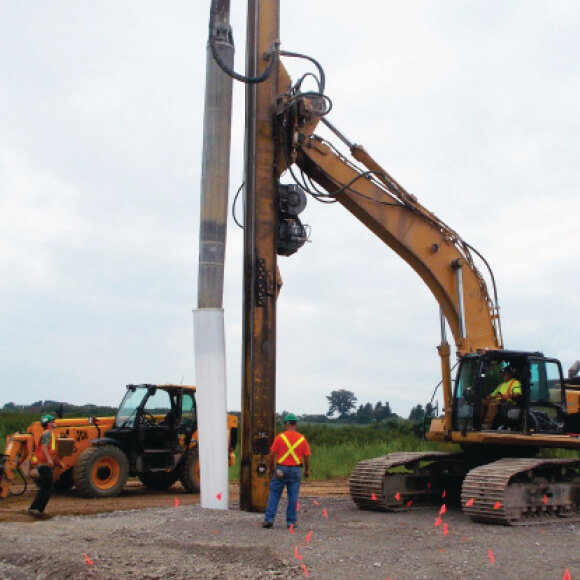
291	479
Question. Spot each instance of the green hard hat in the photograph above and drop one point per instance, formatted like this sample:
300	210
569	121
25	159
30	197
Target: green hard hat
290	418
46	419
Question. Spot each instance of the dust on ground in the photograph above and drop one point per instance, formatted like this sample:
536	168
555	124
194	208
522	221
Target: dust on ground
168	535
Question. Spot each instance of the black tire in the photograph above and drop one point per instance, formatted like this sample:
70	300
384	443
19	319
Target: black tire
65	481
101	471
189	471
159	479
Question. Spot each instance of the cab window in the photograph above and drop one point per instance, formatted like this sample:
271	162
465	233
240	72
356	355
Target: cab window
465	388
158	404
188	416
545	385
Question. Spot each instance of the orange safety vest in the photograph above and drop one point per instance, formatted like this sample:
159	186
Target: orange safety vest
39	456
290	452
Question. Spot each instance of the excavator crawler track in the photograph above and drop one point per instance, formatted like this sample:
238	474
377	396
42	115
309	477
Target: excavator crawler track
377	484
523	491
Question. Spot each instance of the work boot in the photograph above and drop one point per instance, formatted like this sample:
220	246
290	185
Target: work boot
34	513
267	524
293	526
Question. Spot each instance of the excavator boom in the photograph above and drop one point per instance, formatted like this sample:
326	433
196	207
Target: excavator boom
433	250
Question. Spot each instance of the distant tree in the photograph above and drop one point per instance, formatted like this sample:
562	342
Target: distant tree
9	407
382	412
364	413
341	402
417	413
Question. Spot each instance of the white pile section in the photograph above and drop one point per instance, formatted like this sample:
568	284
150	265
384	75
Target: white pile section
210	366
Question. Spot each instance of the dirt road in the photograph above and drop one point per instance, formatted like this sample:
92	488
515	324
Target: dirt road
135	496
154	539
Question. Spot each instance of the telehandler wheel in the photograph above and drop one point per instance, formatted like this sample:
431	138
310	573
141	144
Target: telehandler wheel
189	471
101	471
65	481
159	479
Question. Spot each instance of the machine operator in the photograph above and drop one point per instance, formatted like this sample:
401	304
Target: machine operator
509	391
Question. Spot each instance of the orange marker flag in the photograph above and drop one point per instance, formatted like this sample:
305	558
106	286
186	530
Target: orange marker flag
219	496
410	503
437	521
308	536
88	560
314	502
398	496
298	556
291	528
445	529
297	506
428	485
176	502
324	513
444	493
373	496
491	558
469	502
305	569
497	505
567	575
442	510
545	499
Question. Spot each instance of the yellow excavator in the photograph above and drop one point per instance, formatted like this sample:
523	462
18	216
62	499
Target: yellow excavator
498	474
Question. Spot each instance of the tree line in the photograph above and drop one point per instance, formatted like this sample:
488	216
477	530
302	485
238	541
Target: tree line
343	404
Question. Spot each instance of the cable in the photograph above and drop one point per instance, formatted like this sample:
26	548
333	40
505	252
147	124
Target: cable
440	383
322	82
234	206
242	78
19	472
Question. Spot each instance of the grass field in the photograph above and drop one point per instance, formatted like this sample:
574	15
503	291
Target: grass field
336	449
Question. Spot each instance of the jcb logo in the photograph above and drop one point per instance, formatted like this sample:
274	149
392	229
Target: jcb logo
81	435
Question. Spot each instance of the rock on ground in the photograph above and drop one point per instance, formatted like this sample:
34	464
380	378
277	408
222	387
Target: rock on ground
333	540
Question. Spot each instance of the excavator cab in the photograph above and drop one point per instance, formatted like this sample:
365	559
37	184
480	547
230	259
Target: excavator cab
536	406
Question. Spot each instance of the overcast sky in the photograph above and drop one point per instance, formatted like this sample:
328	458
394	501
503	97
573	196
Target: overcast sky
471	105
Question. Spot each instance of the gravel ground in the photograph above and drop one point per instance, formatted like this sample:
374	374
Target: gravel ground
334	540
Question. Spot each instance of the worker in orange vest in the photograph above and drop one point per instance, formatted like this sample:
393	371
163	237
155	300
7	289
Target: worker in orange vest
44	460
289	452
509	391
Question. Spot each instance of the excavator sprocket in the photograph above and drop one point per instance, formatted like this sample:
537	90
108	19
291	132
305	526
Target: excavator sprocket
523	491
377	484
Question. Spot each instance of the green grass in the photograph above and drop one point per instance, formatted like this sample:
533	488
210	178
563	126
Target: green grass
338	460
11	422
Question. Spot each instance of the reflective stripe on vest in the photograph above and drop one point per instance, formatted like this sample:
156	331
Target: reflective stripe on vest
508	393
290	449
52	447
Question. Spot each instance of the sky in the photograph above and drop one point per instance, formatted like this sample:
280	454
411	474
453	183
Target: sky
472	106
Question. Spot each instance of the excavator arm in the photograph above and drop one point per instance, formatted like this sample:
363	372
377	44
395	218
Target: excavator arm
435	251
440	257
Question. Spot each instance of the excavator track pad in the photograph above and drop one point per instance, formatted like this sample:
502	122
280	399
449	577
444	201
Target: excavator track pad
401	480
523	491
